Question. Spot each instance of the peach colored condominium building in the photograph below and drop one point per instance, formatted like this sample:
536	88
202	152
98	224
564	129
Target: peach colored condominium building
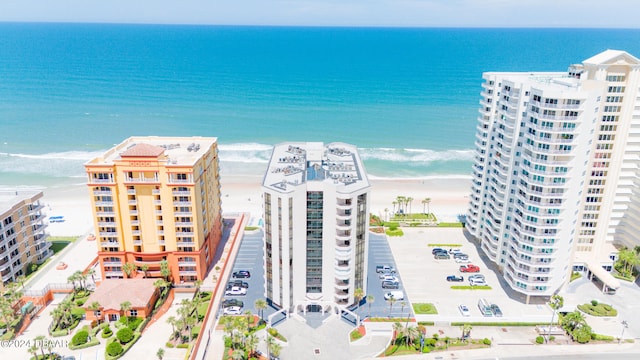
153	199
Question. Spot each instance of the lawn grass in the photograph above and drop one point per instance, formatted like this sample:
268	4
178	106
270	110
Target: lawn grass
57	246
598	309
451	224
424	308
63	238
355	335
468	287
445	245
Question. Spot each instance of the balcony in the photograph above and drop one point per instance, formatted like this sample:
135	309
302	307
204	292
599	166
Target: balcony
160	242
105	213
101	181
343	253
112	263
182	223
342	226
131	191
186	233
142	180
182	203
102	192
104	203
108	234
187	272
342	272
137	242
135	232
109	224
185	243
110	244
181	193
155	191
342	296
133	202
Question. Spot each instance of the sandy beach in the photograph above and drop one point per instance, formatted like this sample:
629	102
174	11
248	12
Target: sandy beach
449	198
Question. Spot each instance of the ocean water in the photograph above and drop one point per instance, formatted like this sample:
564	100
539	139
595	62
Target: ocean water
408	98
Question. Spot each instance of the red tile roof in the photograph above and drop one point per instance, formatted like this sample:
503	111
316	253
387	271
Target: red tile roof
113	292
143	150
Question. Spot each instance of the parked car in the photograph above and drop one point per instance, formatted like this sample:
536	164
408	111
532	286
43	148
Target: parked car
232	310
454	251
239	283
477	282
385	269
437	250
241	274
441	256
469	268
456	278
460	256
385	274
398	295
495	309
476	277
462	261
390	285
389	278
464	310
232	302
236	291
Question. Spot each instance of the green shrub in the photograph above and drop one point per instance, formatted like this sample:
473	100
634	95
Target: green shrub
424	308
469	287
539	340
599	337
355	335
390	350
594	302
551	338
80	302
182	346
59	333
430	342
486	341
426	349
114	349
124	335
170	345
80	337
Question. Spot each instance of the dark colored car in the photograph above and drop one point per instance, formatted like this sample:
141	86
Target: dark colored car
455	278
441	256
232	302
495	309
437	250
242	274
390	285
238	283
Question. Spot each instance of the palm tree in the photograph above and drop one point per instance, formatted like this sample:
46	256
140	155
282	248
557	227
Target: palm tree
171	320
145	269
394	207
573	320
556	302
260	305
20	280
358	294
160	353
128	269
409	200
398	332
95	307
249	318
33	350
92	272
275	349
237	354
426	201
466	330
391	301
124	307
386	214
40	341
197	284
251	343
190	321
412	334
72	279
165	271
370	300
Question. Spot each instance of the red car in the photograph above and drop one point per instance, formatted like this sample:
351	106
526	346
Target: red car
469	268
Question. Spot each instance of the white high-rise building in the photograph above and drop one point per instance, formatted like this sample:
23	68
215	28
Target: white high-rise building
316	219
556	171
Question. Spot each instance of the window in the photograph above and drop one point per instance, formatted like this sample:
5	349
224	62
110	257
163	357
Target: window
616	78
133	312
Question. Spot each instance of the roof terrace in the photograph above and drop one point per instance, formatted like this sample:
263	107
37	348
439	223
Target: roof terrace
294	164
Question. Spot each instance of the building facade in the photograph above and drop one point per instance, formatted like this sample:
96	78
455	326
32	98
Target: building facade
555	171
155	199
23	240
316	218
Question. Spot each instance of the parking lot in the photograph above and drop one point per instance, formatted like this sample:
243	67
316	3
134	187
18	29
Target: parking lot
424	278
380	254
250	258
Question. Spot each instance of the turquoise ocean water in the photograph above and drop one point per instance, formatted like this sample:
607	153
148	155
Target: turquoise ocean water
408	98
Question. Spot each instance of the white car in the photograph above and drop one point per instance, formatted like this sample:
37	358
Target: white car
476	277
232	310
236	291
463	261
397	295
389	278
477	282
464	310
454	251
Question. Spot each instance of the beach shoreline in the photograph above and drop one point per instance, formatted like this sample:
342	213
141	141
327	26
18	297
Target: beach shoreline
449	199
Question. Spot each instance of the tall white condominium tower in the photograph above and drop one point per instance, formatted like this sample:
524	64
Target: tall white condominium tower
316	219
556	179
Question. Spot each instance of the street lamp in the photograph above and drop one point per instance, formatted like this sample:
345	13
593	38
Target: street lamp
625	325
555	303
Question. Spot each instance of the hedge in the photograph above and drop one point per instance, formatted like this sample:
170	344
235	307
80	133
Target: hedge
124	335
498	323
468	287
114	349
81	337
598	309
445	245
94	341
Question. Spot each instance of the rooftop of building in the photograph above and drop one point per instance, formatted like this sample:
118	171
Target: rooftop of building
10	198
610	56
175	150
297	163
113	292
